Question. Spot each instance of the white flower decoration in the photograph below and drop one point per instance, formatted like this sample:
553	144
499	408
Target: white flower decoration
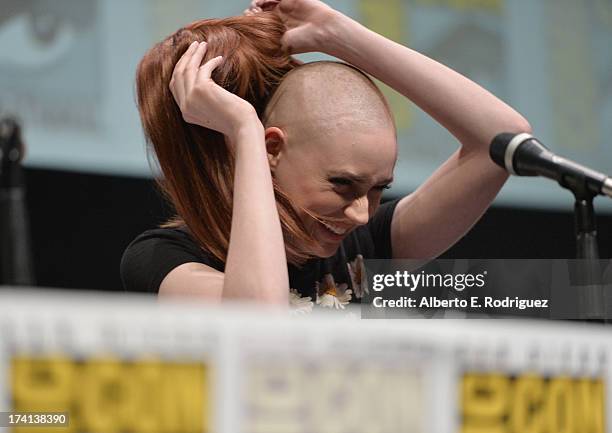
357	271
299	304
331	295
329	300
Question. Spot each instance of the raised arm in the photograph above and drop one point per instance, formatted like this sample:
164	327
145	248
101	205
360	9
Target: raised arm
256	267
455	196
445	207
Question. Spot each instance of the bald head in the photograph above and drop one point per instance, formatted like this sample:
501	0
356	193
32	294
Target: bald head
322	97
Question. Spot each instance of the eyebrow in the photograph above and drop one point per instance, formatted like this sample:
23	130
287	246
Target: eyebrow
357	178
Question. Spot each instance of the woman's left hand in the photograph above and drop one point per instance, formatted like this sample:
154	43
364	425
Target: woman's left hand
257	6
309	23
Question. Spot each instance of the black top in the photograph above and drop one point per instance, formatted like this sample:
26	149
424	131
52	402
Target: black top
153	254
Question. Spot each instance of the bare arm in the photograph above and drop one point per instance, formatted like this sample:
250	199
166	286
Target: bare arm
256	266
446	206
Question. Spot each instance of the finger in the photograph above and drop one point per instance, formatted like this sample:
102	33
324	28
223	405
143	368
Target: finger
268	5
207	69
262	3
180	65
178	86
196	58
192	68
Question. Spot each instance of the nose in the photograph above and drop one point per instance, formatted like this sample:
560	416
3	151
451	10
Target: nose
357	211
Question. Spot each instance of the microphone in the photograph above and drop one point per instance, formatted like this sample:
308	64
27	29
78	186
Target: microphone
524	155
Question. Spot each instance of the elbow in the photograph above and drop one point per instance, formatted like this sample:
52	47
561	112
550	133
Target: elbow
519	125
264	293
276	298
515	123
272	290
480	141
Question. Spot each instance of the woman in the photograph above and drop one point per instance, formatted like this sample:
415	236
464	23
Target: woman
295	158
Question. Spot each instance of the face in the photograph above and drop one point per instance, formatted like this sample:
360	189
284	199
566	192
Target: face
339	176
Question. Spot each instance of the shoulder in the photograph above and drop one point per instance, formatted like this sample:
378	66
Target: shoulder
162	235
153	254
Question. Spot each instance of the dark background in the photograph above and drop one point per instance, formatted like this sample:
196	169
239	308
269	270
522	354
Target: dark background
81	223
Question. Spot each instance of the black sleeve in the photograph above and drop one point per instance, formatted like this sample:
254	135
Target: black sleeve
380	229
153	254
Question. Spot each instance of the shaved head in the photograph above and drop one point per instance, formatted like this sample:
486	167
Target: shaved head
323	97
332	147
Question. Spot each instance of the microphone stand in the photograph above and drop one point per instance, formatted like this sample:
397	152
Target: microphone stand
586	272
15	254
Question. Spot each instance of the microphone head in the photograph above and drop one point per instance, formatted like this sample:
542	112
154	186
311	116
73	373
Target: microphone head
505	147
498	148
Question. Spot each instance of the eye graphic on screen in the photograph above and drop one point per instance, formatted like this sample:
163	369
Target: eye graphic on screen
38	35
49	53
38	41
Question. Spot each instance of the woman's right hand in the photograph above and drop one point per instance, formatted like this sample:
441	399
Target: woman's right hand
202	101
309	23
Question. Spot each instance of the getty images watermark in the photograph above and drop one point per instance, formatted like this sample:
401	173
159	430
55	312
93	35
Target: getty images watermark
563	289
458	282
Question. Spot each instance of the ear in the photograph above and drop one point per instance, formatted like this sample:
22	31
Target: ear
276	140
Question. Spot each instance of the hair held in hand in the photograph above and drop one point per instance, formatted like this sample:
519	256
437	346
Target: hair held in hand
196	164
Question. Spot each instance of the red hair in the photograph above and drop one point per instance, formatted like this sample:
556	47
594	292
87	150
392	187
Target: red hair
197	166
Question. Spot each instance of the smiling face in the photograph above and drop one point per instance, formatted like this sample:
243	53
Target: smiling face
335	154
340	178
